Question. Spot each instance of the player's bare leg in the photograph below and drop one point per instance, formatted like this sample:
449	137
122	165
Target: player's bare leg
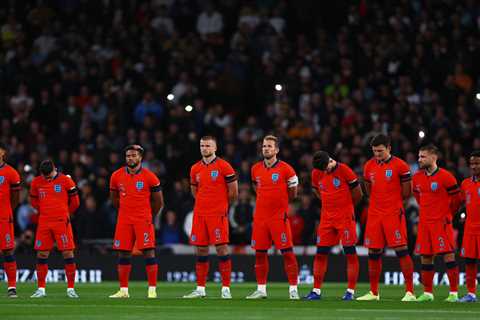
42	270
151	267
225	268
406	265
427	278
452	272
124	267
10	267
70	270
201	269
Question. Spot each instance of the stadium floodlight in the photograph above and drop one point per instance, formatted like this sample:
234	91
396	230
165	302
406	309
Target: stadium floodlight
477	96
421	134
170	97
463	215
278	87
188	108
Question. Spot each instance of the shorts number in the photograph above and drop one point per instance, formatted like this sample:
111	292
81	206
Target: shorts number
145	237
64	239
441	242
398	235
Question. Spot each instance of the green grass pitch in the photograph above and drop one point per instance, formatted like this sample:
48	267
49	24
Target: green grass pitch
94	304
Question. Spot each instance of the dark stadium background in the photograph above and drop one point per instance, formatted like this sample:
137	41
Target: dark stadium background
81	79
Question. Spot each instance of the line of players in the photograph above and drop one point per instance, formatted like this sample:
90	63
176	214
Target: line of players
137	194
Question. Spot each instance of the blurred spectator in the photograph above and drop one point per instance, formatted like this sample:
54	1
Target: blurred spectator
170	231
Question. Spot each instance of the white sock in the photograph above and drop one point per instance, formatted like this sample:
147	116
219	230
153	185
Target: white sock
226	288
124	289
152	288
11	288
350	291
453	292
262	288
42	290
317	291
292	288
70	289
201	289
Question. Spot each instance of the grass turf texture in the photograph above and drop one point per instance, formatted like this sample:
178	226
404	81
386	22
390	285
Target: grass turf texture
95	304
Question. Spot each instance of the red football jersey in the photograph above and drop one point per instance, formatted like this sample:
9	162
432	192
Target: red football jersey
471	190
211	181
9	181
386	179
272	189
134	190
52	196
334	188
433	192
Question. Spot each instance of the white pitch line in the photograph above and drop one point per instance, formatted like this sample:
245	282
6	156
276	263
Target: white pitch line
410	311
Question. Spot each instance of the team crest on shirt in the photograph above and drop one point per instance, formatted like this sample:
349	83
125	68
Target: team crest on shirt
214	175
193	237
116	244
336	182
318	239
57	188
2	179
8	238
434	186
388	174
139	185
38	244
275	177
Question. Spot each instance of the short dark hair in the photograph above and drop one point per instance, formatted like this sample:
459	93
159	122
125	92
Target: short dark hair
135	147
475	153
320	160
380	139
431	148
205	138
46	167
272	138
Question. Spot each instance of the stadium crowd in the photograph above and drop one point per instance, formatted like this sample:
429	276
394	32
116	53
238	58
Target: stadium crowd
81	79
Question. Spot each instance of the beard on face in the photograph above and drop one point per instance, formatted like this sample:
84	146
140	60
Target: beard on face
132	164
207	155
268	157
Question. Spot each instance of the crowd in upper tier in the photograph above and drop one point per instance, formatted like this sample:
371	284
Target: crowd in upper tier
79	80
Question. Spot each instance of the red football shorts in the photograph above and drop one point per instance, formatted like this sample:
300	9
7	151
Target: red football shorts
470	246
331	233
7	238
142	235
435	238
267	231
209	230
49	233
386	230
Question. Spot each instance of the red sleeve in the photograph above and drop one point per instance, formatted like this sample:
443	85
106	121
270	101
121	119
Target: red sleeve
404	171
14	180
114	182
289	172
193	178
34	194
154	183
252	175
314	179
416	192
366	171
228	172
350	176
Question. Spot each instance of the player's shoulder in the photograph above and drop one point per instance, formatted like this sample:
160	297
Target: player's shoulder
196	165
36	180
147	172
419	174
370	162
10	169
445	173
399	161
257	165
119	171
284	164
344	167
466	182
